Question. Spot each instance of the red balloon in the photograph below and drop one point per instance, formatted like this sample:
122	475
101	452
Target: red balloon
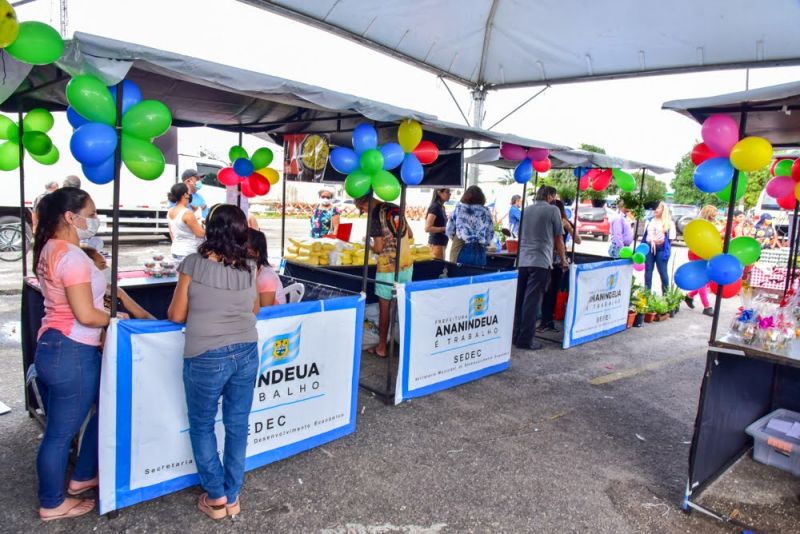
247	189
788	202
796	170
592	173
258	184
602	180
228	176
426	152
583	184
728	291
543	165
701	152
693	256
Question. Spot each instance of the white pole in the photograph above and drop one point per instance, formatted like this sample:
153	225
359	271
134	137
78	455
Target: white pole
478	103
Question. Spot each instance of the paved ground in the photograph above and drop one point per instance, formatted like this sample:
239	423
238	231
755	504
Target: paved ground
535	449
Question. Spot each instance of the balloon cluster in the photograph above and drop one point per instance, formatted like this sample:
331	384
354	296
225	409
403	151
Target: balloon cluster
367	165
530	159
93	114
722	152
709	265
35	125
784	186
417	152
599	179
638	256
251	172
31	42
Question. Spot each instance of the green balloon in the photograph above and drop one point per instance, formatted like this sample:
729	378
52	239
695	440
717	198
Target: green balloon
38	120
784	167
237	152
746	249
9	156
357	183
37	44
385	185
625	181
261	158
741	188
37	143
371	161
49	158
142	158
92	99
8	129
626	253
147	119
639	258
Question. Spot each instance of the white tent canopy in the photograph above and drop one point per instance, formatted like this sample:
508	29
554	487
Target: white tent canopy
567	159
510	43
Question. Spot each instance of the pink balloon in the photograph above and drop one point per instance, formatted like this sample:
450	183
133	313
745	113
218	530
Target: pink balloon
543	165
583	184
538	154
720	132
227	176
512	152
638	266
780	186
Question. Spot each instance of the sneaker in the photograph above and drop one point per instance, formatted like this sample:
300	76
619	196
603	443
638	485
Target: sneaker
708	311
689	301
533	345
545	327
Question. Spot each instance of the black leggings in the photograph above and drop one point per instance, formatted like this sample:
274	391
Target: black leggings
550	297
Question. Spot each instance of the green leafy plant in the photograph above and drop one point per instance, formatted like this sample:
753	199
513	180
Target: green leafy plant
640	301
659	304
674	297
631	201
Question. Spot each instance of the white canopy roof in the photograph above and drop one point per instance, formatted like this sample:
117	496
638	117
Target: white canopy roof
508	43
567	159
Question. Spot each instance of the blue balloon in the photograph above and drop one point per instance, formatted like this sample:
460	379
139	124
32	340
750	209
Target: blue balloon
344	160
523	172
365	137
692	275
100	174
580	171
713	175
243	167
644	248
131	94
411	171
75	118
393	155
93	143
724	269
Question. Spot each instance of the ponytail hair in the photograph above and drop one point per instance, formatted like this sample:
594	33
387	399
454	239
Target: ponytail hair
176	192
50	214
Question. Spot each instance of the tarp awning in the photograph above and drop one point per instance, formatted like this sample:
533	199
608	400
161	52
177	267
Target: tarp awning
772	112
503	43
566	159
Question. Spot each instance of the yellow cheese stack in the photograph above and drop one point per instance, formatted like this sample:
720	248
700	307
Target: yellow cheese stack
421	253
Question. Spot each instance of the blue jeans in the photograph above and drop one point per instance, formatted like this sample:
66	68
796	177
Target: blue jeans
228	372
473	254
70	372
660	262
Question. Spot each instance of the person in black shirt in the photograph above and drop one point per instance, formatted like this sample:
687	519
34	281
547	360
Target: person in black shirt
436	222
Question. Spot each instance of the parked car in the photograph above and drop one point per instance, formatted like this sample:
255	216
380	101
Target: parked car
594	221
682	214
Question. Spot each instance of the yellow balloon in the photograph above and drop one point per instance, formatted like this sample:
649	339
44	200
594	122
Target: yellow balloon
797	191
9	27
409	134
271	175
751	154
703	238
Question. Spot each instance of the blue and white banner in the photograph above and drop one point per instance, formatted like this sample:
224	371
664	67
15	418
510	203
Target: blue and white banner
453	331
305	395
598	300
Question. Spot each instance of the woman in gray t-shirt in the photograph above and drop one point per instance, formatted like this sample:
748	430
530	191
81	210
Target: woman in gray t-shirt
217	299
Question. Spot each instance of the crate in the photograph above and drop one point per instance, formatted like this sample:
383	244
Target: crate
773	447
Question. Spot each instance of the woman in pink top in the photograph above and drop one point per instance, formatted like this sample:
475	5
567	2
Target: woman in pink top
659	233
67	356
270	288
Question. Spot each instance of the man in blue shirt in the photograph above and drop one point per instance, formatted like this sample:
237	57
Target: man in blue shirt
514	214
192	181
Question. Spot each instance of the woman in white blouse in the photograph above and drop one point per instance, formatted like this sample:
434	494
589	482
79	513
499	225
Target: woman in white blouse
659	235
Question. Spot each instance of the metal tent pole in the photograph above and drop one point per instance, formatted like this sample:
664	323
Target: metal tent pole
115	207
521	220
393	303
239	185
22	215
790	264
641	199
728	226
365	273
575	215
478	103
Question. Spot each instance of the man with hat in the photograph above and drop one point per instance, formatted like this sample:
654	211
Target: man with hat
191	178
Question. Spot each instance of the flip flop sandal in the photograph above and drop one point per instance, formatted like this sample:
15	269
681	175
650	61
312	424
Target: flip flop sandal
214	511
75	511
233	509
78	492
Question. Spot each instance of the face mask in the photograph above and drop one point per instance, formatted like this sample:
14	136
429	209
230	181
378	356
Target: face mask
326	201
107	274
92	225
198	186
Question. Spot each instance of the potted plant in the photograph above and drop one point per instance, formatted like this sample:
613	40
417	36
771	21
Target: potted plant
675	296
598	198
641	304
631	201
650	310
661	307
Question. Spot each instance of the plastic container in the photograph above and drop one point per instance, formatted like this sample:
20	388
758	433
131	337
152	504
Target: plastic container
512	245
773	447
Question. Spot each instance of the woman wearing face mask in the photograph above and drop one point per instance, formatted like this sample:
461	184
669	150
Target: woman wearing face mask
184	228
325	219
67	356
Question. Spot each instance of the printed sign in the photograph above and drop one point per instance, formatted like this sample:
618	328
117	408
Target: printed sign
304	396
599	297
454	331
